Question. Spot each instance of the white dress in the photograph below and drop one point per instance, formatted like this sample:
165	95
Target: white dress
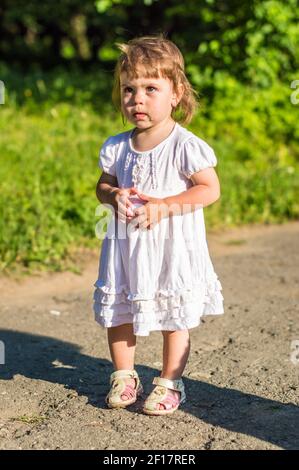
163	278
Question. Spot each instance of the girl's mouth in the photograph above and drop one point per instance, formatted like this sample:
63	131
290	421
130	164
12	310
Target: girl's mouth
139	115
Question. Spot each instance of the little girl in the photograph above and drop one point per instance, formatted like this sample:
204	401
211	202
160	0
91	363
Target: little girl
155	271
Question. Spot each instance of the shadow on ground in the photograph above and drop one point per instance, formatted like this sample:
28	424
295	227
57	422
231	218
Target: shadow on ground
33	356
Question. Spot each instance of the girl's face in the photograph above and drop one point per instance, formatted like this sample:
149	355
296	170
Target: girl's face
147	102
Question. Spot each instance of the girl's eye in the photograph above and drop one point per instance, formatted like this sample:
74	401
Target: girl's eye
129	89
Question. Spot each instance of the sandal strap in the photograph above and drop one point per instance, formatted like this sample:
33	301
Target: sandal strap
129	391
159	396
124	374
169	402
177	385
119	387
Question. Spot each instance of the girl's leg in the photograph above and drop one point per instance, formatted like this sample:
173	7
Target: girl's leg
122	344
176	349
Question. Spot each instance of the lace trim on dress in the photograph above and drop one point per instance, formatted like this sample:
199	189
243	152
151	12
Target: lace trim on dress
144	307
139	165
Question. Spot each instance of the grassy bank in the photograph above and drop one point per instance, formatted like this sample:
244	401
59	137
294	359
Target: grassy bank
49	156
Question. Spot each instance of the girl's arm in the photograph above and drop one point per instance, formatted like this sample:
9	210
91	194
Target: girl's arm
205	191
108	192
106	189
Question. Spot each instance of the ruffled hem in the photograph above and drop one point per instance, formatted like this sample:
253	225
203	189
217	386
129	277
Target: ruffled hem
164	310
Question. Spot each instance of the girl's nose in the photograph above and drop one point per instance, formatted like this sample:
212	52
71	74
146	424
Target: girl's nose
138	97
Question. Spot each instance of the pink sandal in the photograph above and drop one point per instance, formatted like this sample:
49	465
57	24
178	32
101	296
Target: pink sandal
160	396
119	387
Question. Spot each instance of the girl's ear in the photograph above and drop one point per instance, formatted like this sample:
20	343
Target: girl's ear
178	95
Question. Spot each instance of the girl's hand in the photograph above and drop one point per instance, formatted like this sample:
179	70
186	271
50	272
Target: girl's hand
150	214
124	209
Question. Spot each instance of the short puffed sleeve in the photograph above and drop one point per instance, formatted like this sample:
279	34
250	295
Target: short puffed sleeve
196	155
107	157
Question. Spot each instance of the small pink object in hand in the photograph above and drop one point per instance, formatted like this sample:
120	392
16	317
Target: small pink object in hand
136	201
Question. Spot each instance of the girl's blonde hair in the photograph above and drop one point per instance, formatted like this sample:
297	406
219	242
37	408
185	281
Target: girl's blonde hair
157	57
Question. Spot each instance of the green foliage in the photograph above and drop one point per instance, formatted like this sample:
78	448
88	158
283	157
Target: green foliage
49	157
242	58
48	169
255	41
39	90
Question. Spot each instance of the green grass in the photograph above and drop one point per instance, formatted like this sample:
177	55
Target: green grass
49	173
33	420
48	170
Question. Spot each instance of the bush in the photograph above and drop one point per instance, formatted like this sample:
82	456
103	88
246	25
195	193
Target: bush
49	156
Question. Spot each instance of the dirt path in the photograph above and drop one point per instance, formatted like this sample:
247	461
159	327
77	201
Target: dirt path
242	377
